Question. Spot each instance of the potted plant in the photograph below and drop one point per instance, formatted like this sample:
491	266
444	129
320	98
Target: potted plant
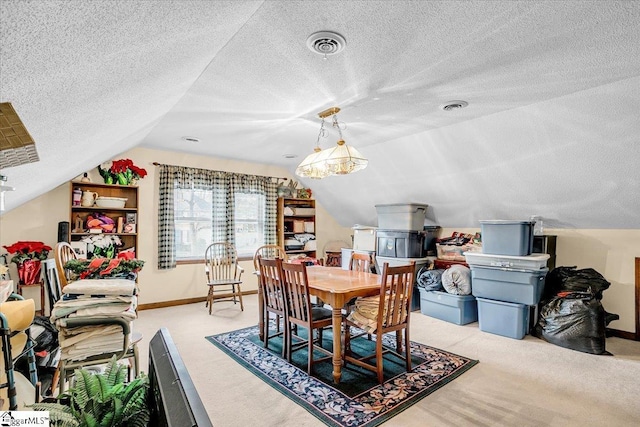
101	400
28	257
122	172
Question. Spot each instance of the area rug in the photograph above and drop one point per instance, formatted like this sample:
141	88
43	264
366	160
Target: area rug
358	401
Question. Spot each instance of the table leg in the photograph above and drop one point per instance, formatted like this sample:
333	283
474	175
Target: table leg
337	344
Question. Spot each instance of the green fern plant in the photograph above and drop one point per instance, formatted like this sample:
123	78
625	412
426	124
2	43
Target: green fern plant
101	400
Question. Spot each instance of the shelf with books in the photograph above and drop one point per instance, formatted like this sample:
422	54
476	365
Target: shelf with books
88	221
297	217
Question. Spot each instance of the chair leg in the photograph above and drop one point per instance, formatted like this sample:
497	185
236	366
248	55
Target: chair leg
240	298
286	336
136	361
310	346
62	377
265	329
346	348
407	345
210	299
379	363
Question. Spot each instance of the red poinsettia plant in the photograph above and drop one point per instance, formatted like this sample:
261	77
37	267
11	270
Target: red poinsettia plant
28	250
121	171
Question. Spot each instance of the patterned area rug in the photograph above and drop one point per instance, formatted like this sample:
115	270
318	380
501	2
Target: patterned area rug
358	401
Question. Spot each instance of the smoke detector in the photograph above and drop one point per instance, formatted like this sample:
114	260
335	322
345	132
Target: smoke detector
454	105
326	43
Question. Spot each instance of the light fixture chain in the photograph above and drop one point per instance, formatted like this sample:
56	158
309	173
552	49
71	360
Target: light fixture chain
337	125
321	134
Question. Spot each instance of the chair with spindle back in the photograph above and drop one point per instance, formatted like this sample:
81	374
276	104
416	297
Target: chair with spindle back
223	274
391	311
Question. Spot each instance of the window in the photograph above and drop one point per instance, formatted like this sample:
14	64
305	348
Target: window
199	207
193	219
250	215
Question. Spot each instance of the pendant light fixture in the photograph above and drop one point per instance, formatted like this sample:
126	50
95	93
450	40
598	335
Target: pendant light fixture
339	160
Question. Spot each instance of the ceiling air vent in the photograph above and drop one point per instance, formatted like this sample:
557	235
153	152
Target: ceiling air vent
326	43
454	105
190	139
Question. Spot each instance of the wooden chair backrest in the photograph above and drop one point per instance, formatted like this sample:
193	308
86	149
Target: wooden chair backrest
269	251
296	287
63	253
395	296
272	284
221	262
360	262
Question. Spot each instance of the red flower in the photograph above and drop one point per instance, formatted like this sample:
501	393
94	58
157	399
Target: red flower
138	171
121	171
28	250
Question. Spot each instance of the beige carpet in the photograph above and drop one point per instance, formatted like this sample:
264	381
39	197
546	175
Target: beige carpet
517	383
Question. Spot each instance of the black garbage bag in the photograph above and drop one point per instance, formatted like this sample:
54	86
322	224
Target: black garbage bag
574	320
568	279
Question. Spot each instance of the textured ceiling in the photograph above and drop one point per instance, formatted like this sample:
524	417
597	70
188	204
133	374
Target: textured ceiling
553	89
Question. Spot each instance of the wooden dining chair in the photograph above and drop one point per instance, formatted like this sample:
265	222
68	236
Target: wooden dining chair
393	315
63	253
361	262
269	251
301	313
273	295
223	274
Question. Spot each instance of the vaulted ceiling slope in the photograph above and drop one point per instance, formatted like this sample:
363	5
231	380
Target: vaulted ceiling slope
553	89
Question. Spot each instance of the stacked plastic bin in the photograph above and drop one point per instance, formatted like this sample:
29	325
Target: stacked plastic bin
402	238
507	278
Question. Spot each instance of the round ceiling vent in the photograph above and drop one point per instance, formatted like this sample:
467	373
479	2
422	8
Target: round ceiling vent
326	43
454	105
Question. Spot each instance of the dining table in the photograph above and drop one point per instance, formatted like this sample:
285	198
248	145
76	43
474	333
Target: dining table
335	287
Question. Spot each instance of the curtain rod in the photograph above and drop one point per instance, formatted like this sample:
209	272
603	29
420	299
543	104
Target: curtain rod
272	177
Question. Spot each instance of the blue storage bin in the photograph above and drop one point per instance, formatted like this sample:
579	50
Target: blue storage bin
503	318
458	309
501	237
506	284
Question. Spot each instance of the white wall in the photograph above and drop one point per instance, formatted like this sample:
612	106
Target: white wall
38	220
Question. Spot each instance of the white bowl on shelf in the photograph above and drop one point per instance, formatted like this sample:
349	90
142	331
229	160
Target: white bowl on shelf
110	202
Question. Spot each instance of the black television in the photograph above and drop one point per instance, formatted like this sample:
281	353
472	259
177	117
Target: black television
173	398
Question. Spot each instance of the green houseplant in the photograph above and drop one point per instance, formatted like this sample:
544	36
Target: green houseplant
101	400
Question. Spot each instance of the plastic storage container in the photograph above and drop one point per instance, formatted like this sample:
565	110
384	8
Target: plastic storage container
458	309
364	238
431	233
400	244
503	318
402	216
505	284
507	237
527	262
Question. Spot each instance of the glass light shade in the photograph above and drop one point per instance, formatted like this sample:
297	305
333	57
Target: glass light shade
313	166
343	159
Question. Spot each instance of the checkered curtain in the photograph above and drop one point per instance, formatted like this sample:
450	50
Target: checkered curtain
223	185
